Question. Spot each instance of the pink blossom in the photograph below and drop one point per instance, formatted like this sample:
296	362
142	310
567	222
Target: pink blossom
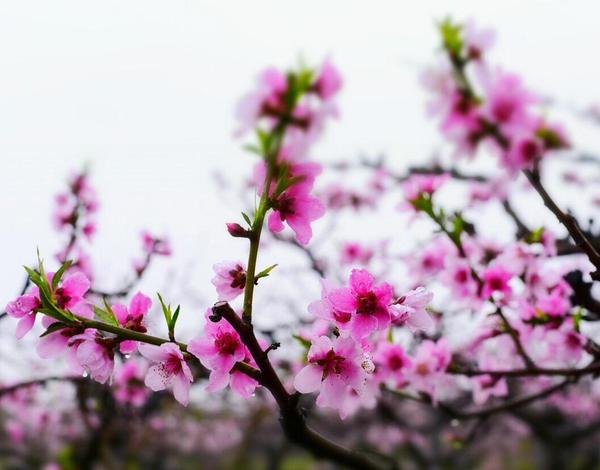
459	279
155	246
129	383
230	279
496	282
329	82
486	386
367	305
410	310
523	154
417	185
507	101
477	40
565	344
298	208
170	370
556	303
25	308
356	253
133	318
429	366
268	99
219	350
95	354
391	361
335	370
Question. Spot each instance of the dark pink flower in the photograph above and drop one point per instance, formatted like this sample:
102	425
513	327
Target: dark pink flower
366	304
298	209
219	349
133	318
496	282
391	362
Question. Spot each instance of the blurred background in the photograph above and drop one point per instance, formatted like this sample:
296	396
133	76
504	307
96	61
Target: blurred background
143	92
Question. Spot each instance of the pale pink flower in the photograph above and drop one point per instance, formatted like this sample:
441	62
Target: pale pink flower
129	383
417	185
335	370
459	279
356	253
230	279
410	310
268	99
24	308
153	245
170	370
429	366
329	81
95	354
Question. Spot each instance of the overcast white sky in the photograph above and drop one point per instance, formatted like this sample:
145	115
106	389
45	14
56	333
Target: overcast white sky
144	90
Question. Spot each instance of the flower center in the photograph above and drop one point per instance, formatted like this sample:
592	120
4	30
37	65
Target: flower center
367	303
332	363
62	298
238	277
226	343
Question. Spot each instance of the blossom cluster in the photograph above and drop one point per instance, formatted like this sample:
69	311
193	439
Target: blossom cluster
500	114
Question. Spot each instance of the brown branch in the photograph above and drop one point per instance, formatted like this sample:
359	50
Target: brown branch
593	368
569	222
292	418
31	383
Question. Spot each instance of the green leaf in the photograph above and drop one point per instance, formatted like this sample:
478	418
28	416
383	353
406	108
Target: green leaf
265	272
536	236
247	219
577	318
166	310
59	274
34	276
452	37
54	327
304	342
174	319
106	316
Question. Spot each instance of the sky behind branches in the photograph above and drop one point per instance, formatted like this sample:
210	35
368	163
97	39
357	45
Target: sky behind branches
144	93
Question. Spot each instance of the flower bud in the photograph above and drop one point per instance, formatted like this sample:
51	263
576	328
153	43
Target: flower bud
236	230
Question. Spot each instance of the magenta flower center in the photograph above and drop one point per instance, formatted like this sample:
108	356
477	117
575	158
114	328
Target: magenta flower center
238	277
226	343
286	206
496	284
395	362
461	276
367	303
62	298
332	363
341	317
503	110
